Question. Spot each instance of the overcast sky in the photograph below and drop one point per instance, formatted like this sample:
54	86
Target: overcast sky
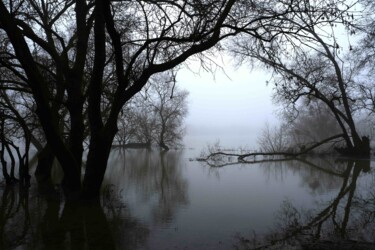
232	104
236	103
239	105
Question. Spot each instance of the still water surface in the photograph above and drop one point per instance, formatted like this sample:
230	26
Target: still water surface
163	200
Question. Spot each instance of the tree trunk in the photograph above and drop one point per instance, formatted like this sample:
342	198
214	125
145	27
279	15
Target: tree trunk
13	179
101	136
71	184
23	171
25	157
162	133
163	145
362	148
39	86
76	134
2	152
96	165
45	162
4	167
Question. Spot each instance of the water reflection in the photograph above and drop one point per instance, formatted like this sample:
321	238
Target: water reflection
15	222
40	218
154	200
318	175
150	177
347	221
47	222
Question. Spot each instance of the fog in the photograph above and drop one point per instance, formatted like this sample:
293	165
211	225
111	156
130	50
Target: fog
232	104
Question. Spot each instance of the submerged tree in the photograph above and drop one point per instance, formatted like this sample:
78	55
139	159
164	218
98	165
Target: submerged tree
274	139
303	53
154	115
169	105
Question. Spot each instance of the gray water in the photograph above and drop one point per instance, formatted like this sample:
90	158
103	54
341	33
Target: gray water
166	200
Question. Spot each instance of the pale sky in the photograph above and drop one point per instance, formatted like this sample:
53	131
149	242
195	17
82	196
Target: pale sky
235	103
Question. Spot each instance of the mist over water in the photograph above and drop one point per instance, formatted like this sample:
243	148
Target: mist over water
164	200
235	137
188	205
232	105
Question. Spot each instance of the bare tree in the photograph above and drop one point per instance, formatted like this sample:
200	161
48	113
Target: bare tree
274	139
363	58
169	105
314	123
137	123
156	114
89	42
303	54
127	125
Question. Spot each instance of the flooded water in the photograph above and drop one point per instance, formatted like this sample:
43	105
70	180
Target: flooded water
164	200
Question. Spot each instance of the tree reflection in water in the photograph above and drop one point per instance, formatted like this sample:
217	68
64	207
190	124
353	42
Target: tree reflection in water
40	218
346	222
153	177
154	183
47	222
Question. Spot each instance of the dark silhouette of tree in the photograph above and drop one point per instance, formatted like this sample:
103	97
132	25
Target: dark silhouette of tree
17	134
131	41
306	64
45	221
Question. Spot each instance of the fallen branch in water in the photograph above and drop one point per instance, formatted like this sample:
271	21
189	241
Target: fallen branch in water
217	159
